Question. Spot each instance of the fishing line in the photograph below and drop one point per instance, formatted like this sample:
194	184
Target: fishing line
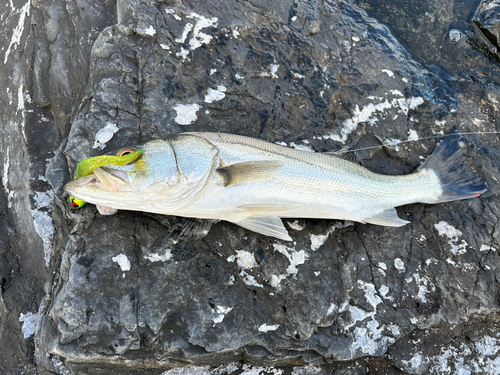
391	143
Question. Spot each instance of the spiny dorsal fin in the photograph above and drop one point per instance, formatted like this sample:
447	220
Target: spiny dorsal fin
249	171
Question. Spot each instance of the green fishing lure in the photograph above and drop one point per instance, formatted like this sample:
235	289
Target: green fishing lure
87	166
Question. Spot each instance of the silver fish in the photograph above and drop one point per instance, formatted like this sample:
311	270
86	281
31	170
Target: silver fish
253	183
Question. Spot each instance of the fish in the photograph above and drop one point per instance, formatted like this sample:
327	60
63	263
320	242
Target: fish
255	184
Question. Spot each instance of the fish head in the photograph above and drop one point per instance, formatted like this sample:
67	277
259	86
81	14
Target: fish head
167	174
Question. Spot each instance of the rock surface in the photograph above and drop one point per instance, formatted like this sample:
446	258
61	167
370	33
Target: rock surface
110	294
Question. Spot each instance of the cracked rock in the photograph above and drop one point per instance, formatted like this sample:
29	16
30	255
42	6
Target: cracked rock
115	294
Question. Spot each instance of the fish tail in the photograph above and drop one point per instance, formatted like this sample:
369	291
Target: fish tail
448	162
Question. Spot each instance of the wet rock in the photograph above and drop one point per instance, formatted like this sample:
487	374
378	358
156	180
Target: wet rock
487	22
120	296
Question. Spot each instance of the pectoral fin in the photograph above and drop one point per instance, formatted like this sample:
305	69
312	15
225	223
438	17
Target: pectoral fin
268	226
387	218
249	171
104	210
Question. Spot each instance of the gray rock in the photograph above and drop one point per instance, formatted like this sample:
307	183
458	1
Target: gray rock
115	294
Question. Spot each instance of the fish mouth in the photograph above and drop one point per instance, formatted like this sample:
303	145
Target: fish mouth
102	179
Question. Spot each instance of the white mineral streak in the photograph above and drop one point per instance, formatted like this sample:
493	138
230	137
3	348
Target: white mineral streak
477	357
298	75
367	114
122	261
20	102
15	39
5	175
384	289
294	257
250	280
486	248
396	92
413	136
399	265
245	261
268	327
382	267
415	362
155	257
273	69
301	147
43	222
295	225
187	28
186	113
360	115
317	240
215	95
411	103
151	31
183	53
370	293
199	38
221	312
446	230
392	143
423	284
104	135
28	321
390	73
368	337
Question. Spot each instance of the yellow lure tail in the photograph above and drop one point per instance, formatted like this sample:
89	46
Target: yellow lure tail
87	166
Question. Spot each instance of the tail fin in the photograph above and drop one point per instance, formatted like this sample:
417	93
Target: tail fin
448	162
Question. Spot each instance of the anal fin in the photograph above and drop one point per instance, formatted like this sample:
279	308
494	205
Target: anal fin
266	225
249	171
387	218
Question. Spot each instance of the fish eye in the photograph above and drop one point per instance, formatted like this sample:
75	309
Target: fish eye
126	151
